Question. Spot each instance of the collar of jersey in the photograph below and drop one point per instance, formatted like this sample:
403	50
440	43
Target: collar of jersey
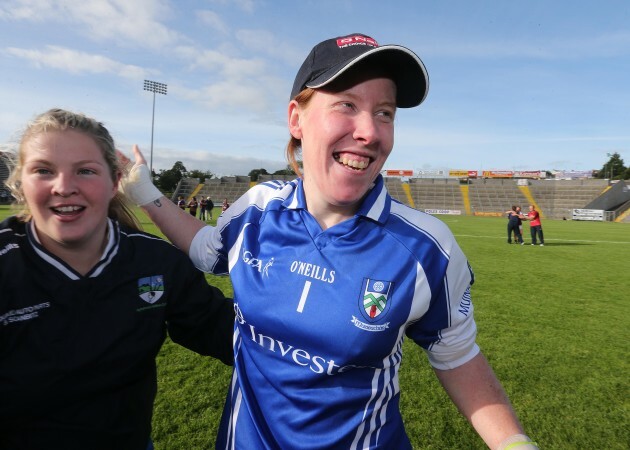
375	206
111	249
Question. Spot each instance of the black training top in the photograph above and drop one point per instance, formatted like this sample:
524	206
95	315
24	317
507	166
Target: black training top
77	353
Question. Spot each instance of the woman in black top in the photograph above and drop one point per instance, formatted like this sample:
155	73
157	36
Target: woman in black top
87	298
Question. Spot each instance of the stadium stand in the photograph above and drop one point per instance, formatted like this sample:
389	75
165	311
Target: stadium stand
555	199
185	187
622	213
5	195
436	193
217	189
396	189
558	198
494	196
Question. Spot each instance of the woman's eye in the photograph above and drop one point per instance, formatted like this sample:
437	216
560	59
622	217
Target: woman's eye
42	171
386	115
346	105
86	171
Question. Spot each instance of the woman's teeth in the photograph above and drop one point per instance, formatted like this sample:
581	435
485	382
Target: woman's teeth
360	165
67	209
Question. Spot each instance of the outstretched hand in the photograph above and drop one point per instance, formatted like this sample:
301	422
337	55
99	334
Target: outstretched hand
138	156
136	181
126	164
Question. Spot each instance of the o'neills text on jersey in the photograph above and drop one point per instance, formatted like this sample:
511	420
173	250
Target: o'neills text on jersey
313	271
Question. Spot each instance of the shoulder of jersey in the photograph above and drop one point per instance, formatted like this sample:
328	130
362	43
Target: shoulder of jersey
275	184
9	227
270	190
144	237
421	220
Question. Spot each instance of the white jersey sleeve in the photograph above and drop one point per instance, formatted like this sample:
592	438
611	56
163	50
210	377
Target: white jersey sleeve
444	327
456	344
205	249
212	248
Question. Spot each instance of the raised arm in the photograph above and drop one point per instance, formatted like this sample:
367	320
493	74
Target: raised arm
479	396
177	225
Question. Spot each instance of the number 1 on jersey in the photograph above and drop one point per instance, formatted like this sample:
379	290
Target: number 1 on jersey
307	287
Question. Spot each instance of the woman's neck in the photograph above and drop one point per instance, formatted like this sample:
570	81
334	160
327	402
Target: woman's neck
81	256
328	215
325	213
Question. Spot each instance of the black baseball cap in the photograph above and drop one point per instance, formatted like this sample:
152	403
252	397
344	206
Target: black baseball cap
331	58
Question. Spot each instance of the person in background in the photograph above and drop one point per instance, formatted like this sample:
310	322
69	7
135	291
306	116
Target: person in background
535	226
192	206
181	203
513	226
210	207
225	205
330	273
203	209
87	298
521	217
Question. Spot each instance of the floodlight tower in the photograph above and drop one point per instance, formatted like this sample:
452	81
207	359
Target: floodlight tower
156	88
609	165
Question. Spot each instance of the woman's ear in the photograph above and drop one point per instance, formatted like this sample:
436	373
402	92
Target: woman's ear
119	176
295	126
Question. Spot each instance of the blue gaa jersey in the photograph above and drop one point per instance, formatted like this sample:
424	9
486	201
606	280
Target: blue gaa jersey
321	316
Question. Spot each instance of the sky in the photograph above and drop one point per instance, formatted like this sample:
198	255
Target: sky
514	85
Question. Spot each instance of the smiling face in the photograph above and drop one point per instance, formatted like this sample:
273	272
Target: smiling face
346	137
68	187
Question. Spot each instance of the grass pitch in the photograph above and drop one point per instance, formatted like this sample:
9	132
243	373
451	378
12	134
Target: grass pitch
552	321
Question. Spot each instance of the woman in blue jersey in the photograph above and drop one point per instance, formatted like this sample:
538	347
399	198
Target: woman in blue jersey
330	273
86	298
514	225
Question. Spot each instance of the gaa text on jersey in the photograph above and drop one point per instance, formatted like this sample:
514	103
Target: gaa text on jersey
249	259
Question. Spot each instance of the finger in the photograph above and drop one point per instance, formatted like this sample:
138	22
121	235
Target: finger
123	162
122	158
138	156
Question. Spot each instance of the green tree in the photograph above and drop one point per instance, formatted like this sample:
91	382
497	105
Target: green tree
201	175
254	174
167	180
287	170
613	168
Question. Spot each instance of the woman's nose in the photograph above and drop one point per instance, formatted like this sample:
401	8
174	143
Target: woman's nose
366	129
64	185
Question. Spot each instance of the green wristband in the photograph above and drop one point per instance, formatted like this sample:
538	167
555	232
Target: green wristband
531	445
518	442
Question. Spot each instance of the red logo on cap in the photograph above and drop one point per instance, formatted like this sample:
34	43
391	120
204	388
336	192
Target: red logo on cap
356	40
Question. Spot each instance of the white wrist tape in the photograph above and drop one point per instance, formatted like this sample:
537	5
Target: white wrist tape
518	442
139	187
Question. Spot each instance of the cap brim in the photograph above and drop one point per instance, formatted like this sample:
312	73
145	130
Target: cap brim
409	72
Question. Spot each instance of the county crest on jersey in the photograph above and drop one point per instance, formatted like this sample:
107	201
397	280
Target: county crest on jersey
150	289
375	302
